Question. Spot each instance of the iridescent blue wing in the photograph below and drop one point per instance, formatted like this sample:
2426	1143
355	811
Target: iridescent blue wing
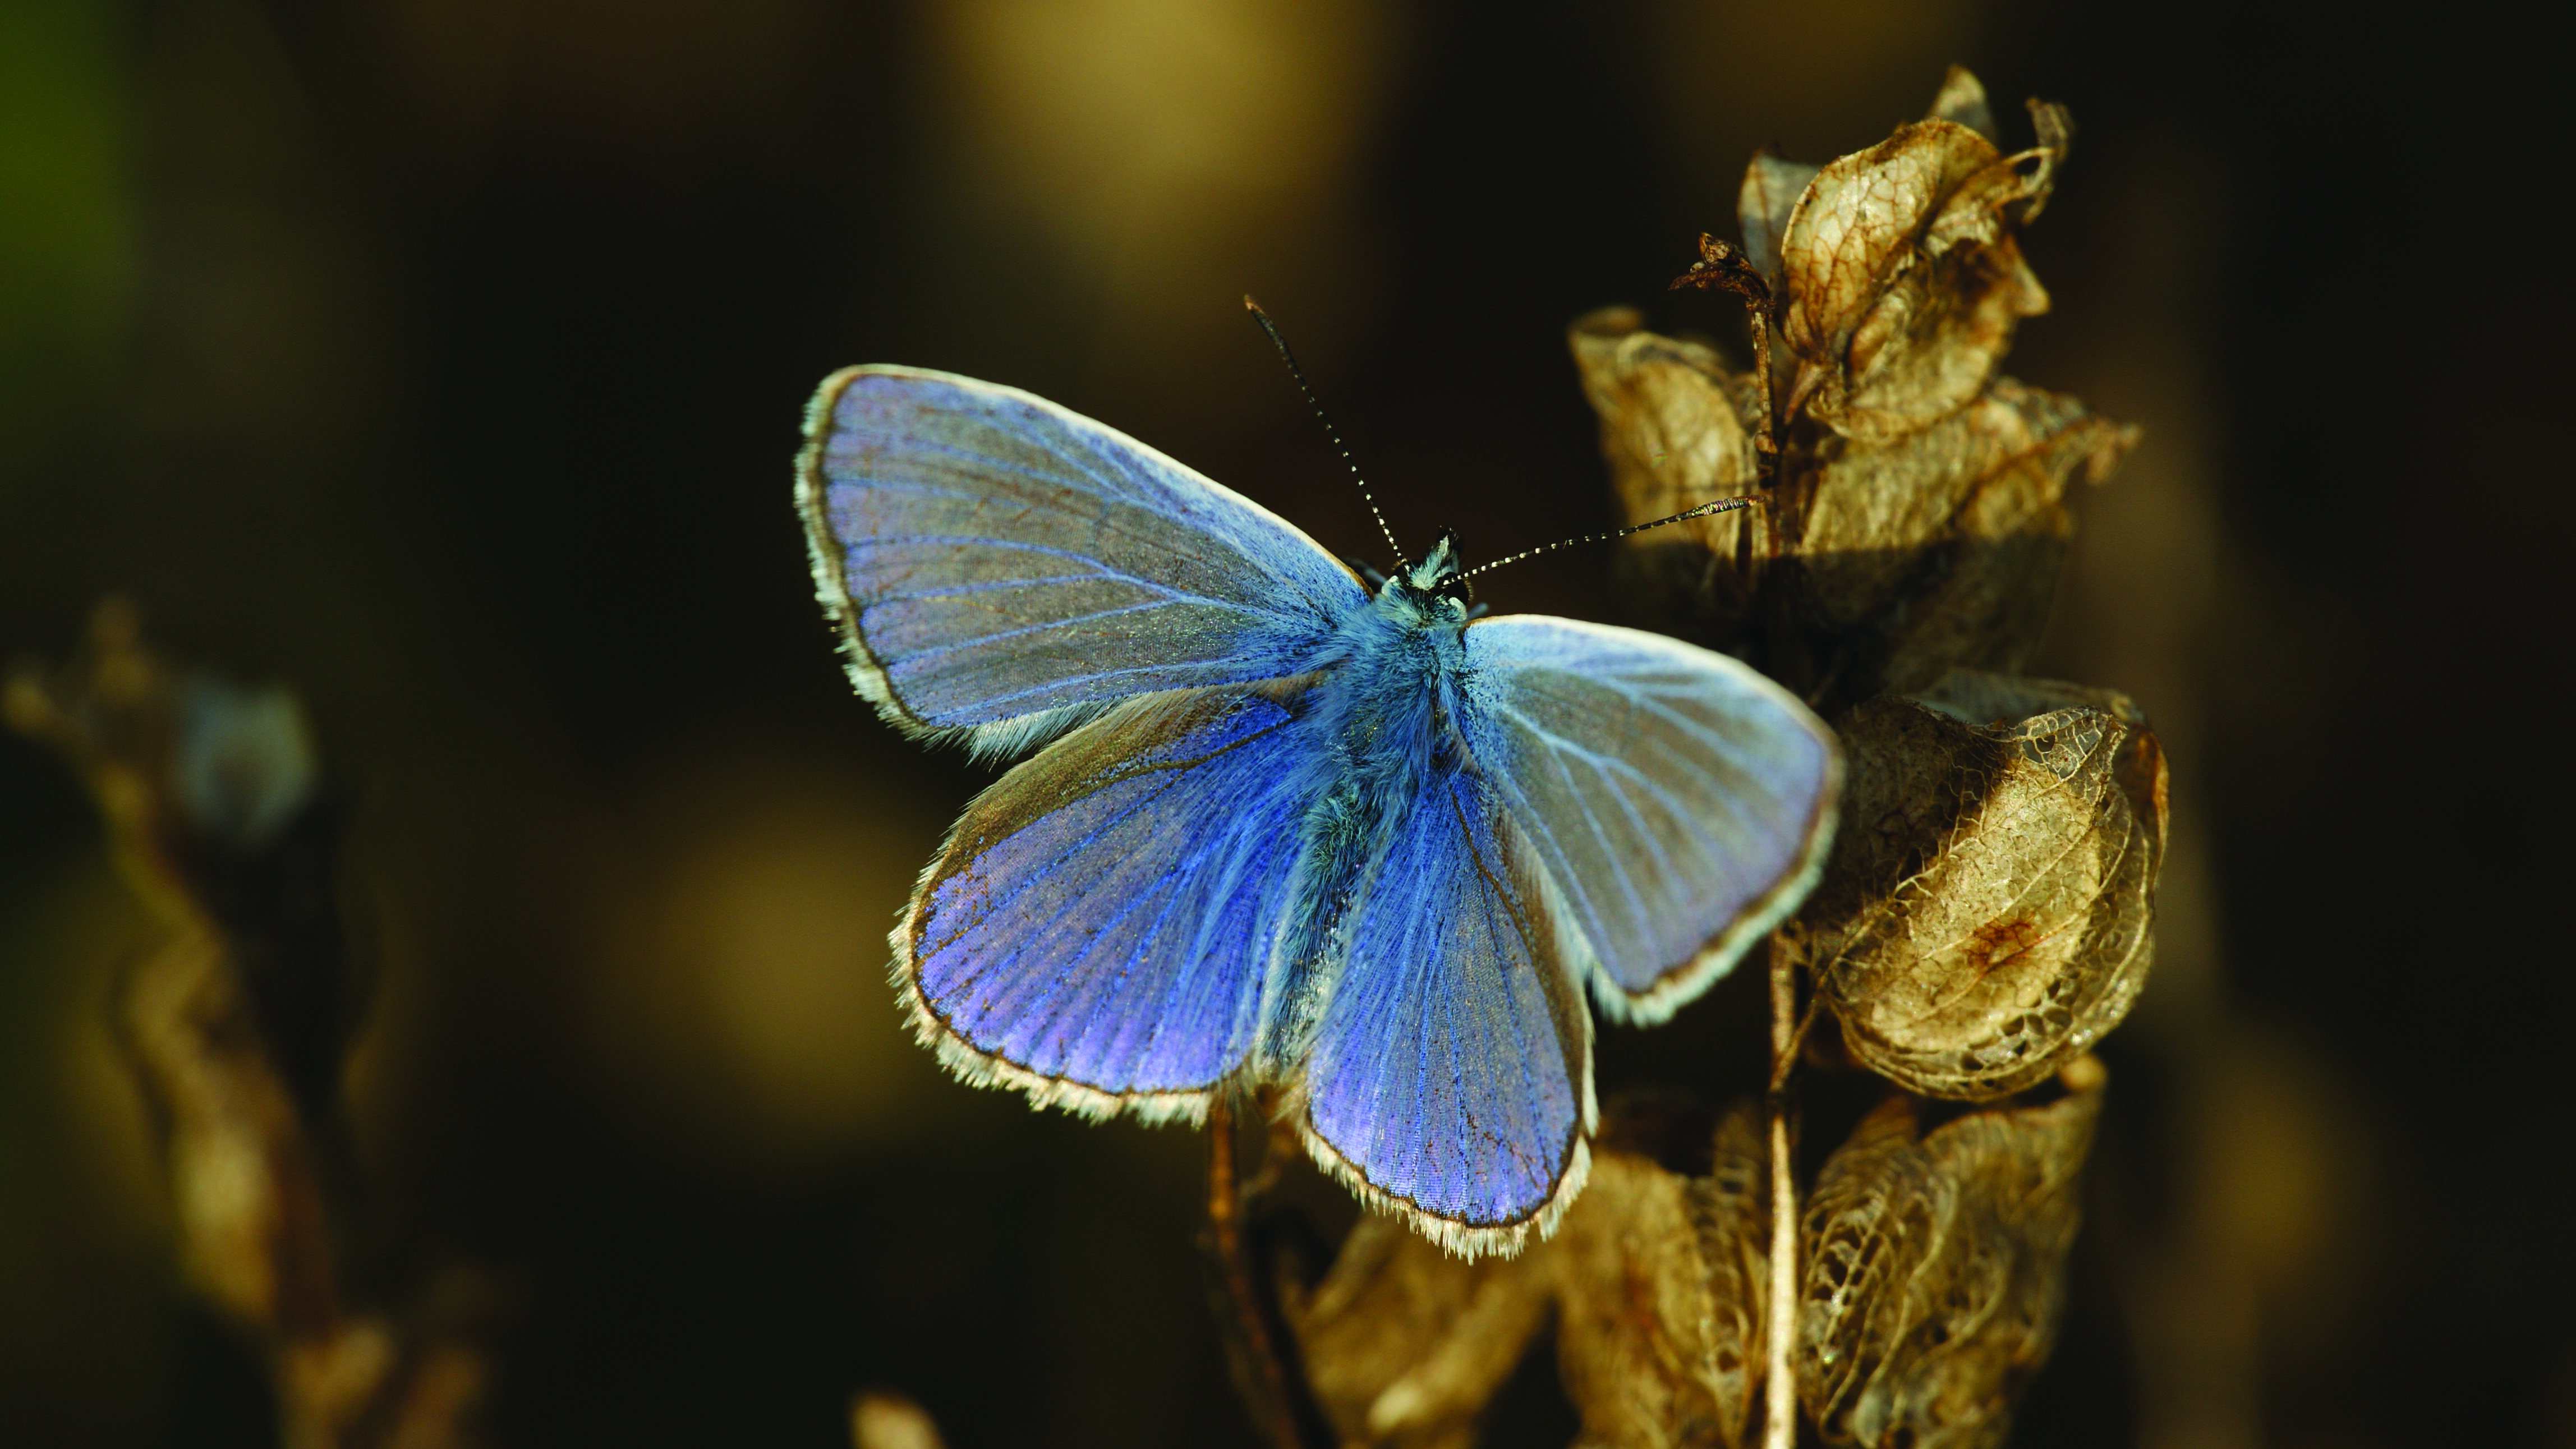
1097	929
1450	1077
1680	803
1001	566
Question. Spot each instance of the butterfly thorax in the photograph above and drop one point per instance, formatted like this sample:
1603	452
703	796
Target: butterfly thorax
1387	701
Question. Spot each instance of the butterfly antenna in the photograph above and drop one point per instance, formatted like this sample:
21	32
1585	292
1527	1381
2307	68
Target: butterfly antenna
1722	505
1290	358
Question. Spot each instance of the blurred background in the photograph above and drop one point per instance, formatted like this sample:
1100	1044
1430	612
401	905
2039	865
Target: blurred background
444	358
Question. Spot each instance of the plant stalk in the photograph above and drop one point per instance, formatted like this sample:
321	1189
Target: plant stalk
1265	1372
1779	1392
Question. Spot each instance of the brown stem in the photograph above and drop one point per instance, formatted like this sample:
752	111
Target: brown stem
1767	441
1265	1371
249	1142
1723	266
1783	1062
1780	1394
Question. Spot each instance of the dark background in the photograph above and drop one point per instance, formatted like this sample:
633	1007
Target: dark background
445	358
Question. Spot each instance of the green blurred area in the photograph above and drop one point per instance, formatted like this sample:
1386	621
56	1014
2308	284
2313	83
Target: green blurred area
67	257
444	358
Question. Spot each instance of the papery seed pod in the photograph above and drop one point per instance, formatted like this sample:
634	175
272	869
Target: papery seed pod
1920	495
1935	549
1772	186
1942	547
1660	1299
1677	428
1655	1279
1901	276
1986	915
1936	1267
1915	555
1404	1343
1963	99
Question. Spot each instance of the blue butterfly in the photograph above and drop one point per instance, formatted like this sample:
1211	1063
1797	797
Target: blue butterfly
1286	827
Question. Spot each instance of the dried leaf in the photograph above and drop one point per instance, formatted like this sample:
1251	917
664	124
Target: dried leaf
1922	494
1936	1268
1655	1279
237	1028
1903	277
1676	423
1943	547
1404	1343
1986	915
1963	99
1770	192
1677	428
1940	548
1660	1299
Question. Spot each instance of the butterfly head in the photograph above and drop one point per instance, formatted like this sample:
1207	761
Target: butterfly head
1438	576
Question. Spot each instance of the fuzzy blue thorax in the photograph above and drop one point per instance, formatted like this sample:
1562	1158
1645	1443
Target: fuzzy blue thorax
1391	699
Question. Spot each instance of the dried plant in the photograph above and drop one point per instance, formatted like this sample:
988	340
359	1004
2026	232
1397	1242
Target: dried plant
1655	1281
1987	914
1935	1267
237	1029
1986	920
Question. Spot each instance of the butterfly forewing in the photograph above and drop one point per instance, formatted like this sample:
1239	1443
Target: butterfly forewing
1681	802
1098	927
1451	1073
992	557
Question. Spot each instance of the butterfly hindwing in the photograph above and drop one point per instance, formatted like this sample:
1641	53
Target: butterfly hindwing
1001	565
1451	1076
1681	802
1097	929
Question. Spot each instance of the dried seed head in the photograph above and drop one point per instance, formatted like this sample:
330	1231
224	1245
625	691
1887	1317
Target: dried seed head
1943	547
1903	275
1986	916
1936	1266
1655	1281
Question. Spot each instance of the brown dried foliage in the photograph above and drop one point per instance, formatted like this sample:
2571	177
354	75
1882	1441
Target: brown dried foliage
1933	1281
1654	1282
1943	547
1902	275
1918	518
1987	913
1935	1268
1677	427
236	1029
